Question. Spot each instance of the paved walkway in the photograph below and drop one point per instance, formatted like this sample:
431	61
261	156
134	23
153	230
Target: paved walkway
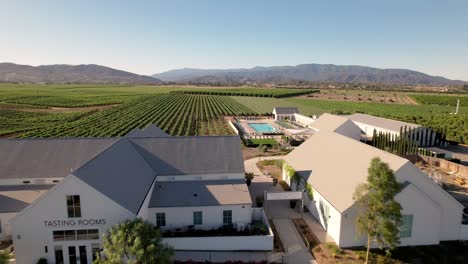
295	250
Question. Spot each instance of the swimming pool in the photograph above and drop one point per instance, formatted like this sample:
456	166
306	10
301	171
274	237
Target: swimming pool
262	127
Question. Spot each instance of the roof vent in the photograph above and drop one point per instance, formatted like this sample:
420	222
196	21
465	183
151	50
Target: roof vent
195	195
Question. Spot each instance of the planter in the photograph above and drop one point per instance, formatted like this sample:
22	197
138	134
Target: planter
275	181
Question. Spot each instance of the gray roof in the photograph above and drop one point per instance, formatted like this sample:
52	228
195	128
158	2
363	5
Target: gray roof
149	131
47	158
120	173
381	122
125	171
14	198
192	155
200	193
285	110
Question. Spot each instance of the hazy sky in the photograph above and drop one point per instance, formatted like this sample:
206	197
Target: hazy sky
147	37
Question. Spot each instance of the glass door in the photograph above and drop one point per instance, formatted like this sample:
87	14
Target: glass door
83	255
72	255
58	255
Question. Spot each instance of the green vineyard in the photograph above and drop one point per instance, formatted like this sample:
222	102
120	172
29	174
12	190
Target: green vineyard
177	114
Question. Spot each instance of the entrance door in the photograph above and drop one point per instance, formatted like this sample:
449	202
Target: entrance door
83	255
72	255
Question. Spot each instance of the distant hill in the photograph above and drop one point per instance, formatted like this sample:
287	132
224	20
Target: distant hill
326	73
59	74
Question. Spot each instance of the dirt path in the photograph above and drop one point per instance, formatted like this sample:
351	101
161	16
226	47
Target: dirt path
54	109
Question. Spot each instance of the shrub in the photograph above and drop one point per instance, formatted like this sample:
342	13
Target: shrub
42	261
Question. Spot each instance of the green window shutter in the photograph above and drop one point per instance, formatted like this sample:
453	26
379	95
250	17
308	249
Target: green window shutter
160	219
406	226
197	218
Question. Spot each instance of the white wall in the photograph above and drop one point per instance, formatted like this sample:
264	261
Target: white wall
181	217
426	217
303	120
6	225
234	243
143	213
30	235
221	176
426	220
33	181
464	232
334	221
451	209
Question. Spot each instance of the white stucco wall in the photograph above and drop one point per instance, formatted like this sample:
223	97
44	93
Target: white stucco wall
5	218
234	243
426	220
451	209
31	235
303	120
181	217
334	220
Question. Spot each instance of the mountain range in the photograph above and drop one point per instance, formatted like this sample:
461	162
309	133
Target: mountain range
58	74
313	73
324	73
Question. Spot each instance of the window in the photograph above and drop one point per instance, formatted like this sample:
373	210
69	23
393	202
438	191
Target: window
406	226
198	218
71	235
160	219
73	206
227	217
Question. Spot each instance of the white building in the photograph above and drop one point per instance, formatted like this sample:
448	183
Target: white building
284	113
369	123
333	162
176	183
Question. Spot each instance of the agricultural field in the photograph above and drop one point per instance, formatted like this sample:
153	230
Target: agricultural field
434	99
177	114
362	96
102	111
251	92
437	117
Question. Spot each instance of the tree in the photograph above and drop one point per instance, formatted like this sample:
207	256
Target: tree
379	214
4	257
134	242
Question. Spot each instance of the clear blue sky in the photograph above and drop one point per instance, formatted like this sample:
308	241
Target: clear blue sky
147	37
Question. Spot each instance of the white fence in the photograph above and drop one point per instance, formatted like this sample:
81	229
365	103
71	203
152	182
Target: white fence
227	243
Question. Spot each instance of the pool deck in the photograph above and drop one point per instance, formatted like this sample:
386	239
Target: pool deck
248	129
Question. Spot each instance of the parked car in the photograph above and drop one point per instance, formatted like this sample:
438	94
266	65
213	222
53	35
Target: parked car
266	173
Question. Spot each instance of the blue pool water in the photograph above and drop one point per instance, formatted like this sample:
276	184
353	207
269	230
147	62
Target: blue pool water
262	127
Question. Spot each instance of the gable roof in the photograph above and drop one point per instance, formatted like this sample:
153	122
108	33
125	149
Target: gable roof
338	124
191	155
121	174
326	161
381	122
285	110
149	131
200	193
47	158
14	198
